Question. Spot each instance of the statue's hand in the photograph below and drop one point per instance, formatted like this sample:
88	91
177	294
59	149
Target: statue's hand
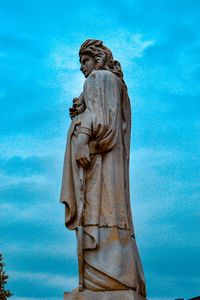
72	112
77	108
82	154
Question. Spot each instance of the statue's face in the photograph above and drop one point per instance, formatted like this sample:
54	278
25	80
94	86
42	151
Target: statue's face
87	64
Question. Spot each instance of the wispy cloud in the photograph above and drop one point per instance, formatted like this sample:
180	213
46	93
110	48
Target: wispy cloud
134	46
48	249
64	57
27	146
63	61
45	279
157	43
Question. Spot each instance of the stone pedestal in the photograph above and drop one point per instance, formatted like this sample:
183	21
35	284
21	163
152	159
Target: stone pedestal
107	295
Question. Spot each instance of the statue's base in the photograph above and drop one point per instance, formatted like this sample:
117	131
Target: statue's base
107	295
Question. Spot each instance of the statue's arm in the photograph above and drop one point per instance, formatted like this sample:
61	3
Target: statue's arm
82	155
100	116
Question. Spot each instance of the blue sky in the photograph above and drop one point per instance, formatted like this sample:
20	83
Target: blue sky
158	45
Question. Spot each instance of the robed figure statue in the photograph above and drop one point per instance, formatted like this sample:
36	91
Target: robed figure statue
95	185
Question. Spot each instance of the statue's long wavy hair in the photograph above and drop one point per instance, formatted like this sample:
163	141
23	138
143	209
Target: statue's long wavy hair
103	57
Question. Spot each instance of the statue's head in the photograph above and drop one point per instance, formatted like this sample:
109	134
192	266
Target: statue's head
95	56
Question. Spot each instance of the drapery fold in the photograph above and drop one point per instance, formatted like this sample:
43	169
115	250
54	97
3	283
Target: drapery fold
109	244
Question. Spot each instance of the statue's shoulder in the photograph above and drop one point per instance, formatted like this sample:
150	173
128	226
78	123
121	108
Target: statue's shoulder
101	75
100	78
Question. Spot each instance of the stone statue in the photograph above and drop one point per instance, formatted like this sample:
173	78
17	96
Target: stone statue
95	185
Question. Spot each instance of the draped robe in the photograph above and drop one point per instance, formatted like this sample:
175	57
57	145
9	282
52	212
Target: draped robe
111	258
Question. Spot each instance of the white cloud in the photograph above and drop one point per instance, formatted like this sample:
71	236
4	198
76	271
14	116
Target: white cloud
46	248
45	279
64	57
127	46
43	213
27	146
159	202
154	156
136	45
6	180
72	85
63	62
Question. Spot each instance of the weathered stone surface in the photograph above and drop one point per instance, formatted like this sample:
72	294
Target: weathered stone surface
108	295
95	186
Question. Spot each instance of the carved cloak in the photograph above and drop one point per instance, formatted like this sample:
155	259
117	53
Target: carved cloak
111	259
